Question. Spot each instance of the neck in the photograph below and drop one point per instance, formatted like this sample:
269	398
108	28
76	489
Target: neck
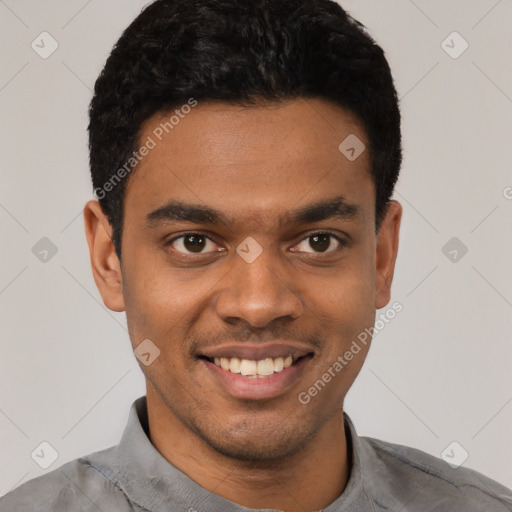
309	480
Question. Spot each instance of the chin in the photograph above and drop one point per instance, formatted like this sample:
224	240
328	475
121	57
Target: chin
251	441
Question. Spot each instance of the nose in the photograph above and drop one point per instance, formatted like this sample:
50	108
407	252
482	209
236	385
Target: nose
258	293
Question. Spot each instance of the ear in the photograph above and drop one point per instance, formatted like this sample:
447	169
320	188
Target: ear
387	250
105	264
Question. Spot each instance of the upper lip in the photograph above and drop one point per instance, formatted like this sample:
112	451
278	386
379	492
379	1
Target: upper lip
258	351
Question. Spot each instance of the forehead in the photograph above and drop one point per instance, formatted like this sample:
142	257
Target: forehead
249	161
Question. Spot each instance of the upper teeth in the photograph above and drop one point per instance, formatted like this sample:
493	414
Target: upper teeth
249	367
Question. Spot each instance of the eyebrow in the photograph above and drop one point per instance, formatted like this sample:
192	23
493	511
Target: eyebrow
335	208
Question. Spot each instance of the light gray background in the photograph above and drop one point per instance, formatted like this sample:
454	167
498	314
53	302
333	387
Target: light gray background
439	372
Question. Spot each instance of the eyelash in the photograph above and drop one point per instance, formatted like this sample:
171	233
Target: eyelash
342	242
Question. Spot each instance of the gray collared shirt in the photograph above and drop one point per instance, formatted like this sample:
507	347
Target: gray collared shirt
133	476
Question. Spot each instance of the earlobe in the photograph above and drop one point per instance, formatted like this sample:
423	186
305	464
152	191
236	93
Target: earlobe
386	252
105	265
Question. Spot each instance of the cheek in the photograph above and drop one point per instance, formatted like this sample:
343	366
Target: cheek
162	302
357	294
346	299
344	310
152	303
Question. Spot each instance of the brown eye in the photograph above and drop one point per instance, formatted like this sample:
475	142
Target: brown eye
193	243
319	243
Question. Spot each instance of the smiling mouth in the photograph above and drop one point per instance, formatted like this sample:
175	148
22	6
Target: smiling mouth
261	369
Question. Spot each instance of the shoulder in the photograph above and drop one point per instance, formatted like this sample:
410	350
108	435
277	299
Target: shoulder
73	487
432	482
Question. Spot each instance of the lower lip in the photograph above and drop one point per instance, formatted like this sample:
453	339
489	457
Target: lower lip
258	388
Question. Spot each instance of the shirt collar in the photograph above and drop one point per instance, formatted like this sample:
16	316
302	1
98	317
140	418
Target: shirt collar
151	482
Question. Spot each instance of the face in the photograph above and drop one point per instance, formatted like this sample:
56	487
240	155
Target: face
250	259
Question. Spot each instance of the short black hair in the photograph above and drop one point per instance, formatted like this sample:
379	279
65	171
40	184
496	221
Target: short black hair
245	52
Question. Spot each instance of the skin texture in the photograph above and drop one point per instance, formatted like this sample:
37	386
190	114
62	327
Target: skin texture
254	164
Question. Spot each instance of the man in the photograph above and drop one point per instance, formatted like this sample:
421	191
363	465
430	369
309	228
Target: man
244	156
